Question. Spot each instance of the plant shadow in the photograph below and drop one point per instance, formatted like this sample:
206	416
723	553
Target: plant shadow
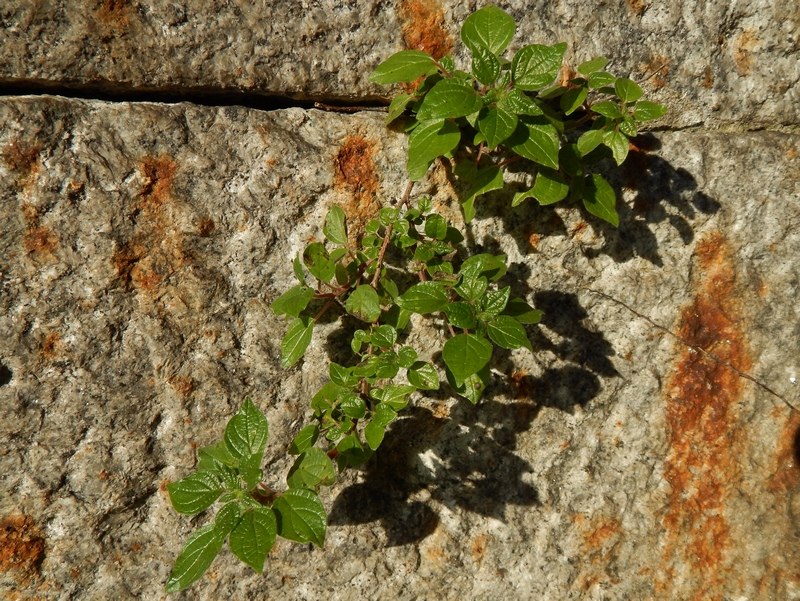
465	457
662	193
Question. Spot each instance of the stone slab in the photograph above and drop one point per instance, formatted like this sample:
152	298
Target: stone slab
715	63
142	244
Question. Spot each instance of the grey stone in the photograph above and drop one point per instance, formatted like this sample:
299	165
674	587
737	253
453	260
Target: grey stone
143	243
716	63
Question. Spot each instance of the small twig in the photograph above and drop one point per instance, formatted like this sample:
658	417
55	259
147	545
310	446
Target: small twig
332	108
654	73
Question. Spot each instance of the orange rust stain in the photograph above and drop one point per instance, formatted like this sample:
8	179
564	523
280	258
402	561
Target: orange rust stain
534	239
183	385
114	13
205	227
355	174
21	157
707	80
158	174
787	460
478	547
579	227
702	467
791	153
657	70
598	538
40	240
21	546
423	27
637	7
155	251
743	49
51	346
441	411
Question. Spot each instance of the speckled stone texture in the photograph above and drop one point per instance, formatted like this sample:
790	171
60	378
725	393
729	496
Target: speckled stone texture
642	452
715	63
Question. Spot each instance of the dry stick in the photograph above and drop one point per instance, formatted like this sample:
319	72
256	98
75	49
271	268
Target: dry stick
387	236
694	347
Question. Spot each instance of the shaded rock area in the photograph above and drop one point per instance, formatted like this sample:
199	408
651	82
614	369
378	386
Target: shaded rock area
715	63
646	450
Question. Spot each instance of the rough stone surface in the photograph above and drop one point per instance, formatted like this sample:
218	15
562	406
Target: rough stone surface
143	243
716	63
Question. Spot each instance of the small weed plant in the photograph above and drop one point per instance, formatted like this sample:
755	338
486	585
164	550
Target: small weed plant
408	264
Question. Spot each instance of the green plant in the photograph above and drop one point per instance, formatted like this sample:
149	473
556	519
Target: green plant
408	264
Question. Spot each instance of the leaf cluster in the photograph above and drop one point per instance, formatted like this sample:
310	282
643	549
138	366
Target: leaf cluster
503	110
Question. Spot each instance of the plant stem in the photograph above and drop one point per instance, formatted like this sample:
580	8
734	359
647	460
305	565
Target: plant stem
388	235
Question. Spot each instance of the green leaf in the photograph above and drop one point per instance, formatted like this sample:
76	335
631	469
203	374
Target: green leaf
214	457
494	302
497	125
592	66
590	140
485	65
549	187
519	103
601	79
523	312
536	66
293	301
195	493
340	375
460	314
465	354
447	99
398	106
607	108
425	297
296	340
376	428
403	66
352	405
492	266
599	199
537	142
304	439
486	179
335	229
384	336
423	375
472	288
627	90
227	518
200	550
301	516
254	536
311	469
247	432
406	357
507	332
318	262
297	267
618	144
394	396
644	110
473	387
490	27
428	141
572	99
364	303
436	227
628	126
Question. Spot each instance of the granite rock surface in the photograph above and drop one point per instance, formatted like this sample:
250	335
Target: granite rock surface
719	64
645	450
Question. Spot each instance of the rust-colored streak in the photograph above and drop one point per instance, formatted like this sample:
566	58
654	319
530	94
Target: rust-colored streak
158	174
637	7
786	475
21	547
21	157
478	548
355	174
114	13
702	465
40	240
598	537
743	49
155	250
51	346
423	27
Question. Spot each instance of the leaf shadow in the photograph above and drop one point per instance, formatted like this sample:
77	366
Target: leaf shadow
662	193
467	458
